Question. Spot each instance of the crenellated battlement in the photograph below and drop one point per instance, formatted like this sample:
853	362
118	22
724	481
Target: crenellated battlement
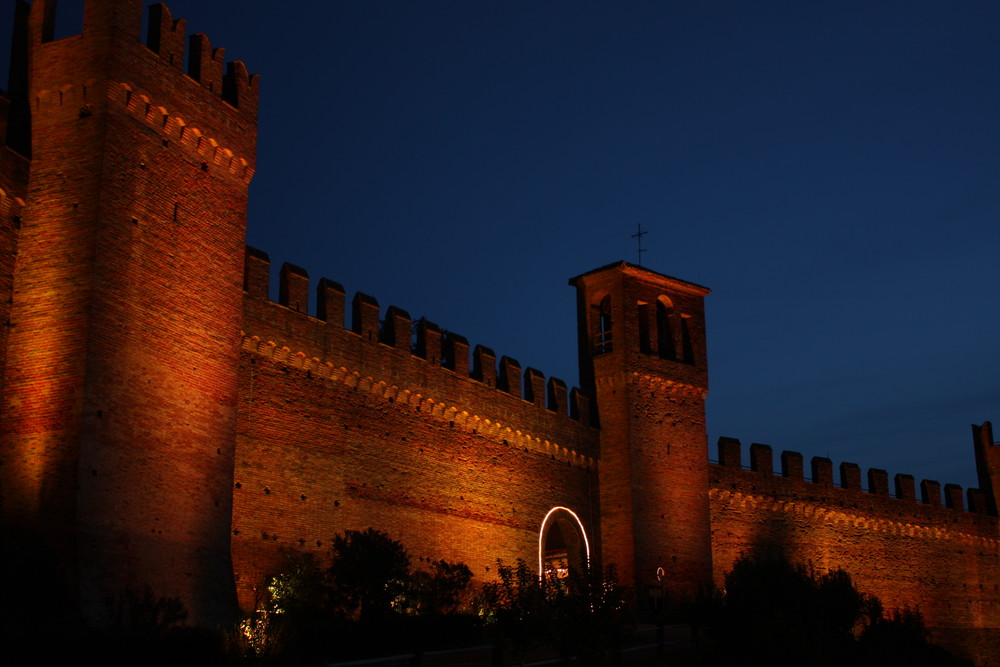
112	71
757	502
10	205
410	398
166	37
394	331
137	173
847	489
913	551
174	128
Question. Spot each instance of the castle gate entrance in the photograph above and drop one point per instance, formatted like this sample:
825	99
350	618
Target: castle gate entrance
562	543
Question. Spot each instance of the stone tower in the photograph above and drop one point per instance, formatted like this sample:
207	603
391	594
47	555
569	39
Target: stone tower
118	415
642	356
987	463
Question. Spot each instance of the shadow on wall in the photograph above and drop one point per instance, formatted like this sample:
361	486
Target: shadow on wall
772	539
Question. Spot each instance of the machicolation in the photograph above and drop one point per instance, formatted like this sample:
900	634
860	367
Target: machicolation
164	423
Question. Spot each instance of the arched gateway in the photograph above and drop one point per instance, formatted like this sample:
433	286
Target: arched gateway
562	543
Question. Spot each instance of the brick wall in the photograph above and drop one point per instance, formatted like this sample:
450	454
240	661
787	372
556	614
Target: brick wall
13	190
339	431
929	555
118	421
166	424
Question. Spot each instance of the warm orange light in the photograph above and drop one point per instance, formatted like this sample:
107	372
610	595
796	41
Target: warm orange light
541	537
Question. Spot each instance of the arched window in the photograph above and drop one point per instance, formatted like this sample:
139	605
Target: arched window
686	345
602	326
562	543
645	315
665	329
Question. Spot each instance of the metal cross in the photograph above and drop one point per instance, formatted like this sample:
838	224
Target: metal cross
638	236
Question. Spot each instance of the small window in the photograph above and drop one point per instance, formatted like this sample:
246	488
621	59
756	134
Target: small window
645	325
665	344
602	326
686	339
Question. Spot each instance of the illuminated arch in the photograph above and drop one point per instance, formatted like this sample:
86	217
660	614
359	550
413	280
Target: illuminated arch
575	539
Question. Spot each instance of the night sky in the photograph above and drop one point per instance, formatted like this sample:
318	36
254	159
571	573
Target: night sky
828	169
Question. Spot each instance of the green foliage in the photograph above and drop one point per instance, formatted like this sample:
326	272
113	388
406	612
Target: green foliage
367	596
256	637
785	614
297	599
300	590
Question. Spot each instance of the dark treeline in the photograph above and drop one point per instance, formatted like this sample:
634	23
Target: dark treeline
776	614
366	598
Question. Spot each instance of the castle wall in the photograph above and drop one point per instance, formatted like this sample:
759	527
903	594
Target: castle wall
166	426
928	555
118	421
338	431
13	190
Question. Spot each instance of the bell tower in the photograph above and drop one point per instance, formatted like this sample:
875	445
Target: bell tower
642	356
117	429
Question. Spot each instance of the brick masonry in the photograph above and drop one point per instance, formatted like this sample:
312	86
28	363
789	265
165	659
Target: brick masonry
165	423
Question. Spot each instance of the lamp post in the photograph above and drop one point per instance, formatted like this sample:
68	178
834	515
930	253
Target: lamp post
660	575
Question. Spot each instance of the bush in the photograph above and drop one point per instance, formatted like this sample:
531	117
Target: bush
442	591
368	596
514	609
774	614
369	573
586	616
592	617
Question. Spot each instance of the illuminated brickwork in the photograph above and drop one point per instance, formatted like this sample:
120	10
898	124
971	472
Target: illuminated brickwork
348	428
118	416
164	423
914	550
649	374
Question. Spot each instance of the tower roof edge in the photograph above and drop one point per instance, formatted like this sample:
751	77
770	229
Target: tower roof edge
636	270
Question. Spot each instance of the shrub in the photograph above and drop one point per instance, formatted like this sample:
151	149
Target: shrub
773	613
586	616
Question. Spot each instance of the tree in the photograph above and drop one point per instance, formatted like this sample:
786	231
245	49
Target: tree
586	616
591	615
513	608
440	591
300	591
368	596
368	573
773	613
295	609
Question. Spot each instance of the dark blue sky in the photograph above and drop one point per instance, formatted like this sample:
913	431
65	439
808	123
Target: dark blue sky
829	169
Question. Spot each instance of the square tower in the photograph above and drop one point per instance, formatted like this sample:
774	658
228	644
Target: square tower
117	430
642	356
